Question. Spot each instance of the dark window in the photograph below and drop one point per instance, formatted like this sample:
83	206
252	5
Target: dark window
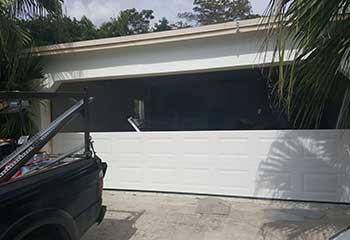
226	100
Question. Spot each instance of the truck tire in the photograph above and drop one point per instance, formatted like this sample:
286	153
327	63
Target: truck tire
48	233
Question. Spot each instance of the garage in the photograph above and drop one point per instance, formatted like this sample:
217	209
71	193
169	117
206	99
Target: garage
200	98
209	133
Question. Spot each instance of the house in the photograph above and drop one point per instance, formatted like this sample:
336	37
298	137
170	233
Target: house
208	126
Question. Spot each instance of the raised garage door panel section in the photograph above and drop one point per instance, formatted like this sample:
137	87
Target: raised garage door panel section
299	165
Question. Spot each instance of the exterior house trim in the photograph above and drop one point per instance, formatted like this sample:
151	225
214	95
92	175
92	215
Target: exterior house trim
214	30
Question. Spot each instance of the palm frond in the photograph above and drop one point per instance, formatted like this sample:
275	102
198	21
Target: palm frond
25	8
23	74
318	32
18	69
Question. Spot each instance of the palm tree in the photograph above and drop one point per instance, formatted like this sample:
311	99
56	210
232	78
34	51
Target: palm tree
319	33
18	69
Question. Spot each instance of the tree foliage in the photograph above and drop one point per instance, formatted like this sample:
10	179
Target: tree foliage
217	11
318	32
129	22
162	25
51	29
18	69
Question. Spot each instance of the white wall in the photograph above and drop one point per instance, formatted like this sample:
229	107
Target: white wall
302	165
233	51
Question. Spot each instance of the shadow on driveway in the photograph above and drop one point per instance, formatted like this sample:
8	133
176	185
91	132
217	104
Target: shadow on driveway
118	225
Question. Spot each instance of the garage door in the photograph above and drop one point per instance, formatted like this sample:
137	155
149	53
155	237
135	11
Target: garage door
300	165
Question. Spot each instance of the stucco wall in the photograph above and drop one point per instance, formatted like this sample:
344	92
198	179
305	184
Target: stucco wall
233	51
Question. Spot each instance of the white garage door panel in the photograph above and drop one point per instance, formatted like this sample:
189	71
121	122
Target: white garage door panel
302	165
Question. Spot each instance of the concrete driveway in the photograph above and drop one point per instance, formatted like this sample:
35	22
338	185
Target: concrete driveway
136	216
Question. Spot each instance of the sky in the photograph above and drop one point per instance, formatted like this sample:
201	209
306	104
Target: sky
101	10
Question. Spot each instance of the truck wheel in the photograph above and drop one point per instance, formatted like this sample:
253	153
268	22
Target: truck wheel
48	233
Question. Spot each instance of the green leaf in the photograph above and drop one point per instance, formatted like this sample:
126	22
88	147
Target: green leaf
319	32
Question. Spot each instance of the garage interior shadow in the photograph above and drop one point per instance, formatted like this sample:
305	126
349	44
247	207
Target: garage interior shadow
301	164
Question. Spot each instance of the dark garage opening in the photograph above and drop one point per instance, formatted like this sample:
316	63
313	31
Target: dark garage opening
225	100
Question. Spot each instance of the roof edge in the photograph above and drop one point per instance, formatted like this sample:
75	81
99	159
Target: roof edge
153	38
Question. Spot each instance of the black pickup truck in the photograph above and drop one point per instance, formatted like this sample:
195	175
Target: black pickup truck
59	198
